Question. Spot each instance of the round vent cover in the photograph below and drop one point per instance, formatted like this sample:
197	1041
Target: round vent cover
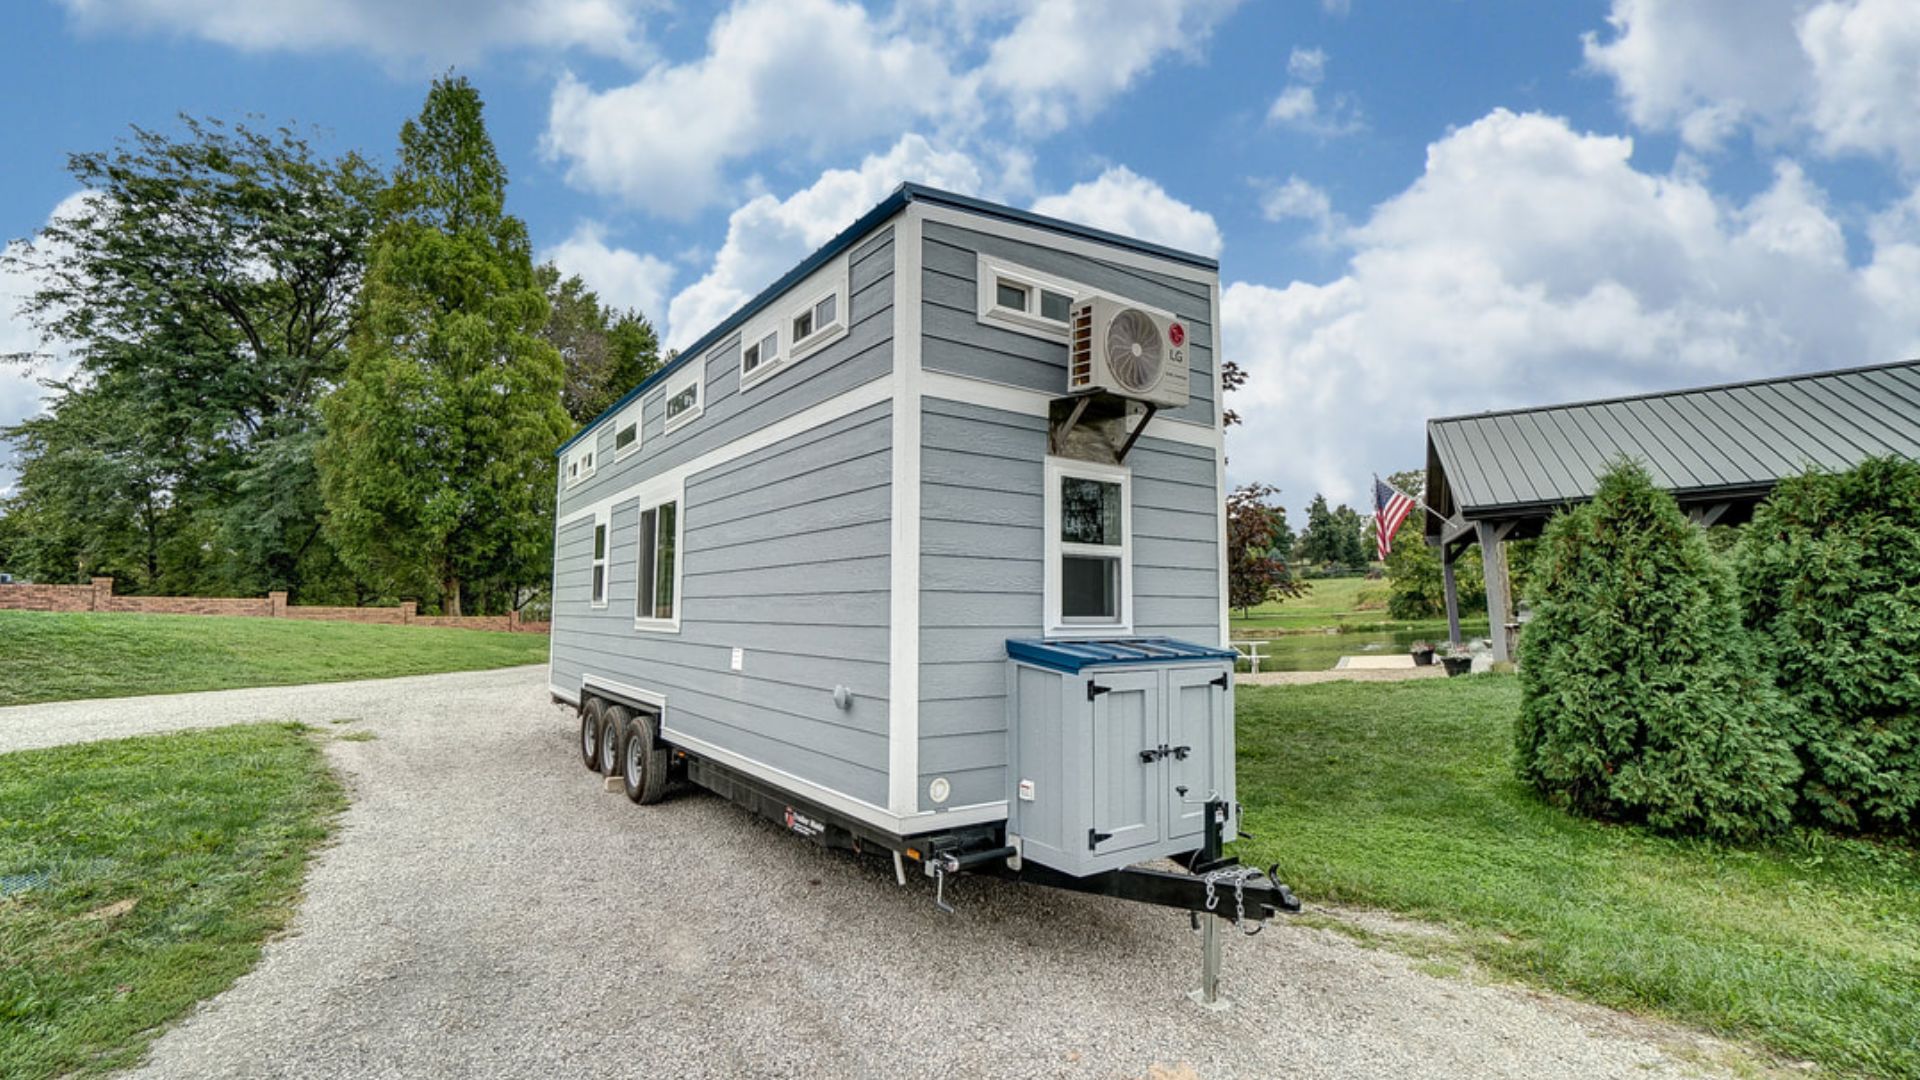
1133	350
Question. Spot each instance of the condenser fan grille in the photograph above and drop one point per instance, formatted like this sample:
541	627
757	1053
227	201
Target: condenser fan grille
1134	354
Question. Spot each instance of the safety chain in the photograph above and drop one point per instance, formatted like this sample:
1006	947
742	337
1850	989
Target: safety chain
1239	876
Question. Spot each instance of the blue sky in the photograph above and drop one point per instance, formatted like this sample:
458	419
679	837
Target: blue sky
1420	209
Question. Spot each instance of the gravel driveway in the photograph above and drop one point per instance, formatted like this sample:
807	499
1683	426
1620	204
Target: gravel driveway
489	910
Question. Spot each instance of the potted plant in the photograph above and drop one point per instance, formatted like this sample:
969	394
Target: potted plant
1422	653
1458	660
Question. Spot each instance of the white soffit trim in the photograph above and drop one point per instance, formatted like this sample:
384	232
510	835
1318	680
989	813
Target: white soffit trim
903	667
1018	399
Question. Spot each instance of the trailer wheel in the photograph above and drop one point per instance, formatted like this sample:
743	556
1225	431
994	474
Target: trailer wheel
643	763
612	728
591	717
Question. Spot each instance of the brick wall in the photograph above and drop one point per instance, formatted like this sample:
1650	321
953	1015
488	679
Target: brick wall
97	595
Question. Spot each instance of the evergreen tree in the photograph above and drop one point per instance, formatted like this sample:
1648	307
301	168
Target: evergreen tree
1639	696
605	352
1829	575
437	467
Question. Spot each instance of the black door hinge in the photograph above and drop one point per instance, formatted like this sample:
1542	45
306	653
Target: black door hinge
1225	680
1094	836
1094	689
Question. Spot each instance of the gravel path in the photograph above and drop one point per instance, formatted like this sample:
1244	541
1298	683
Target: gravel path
489	910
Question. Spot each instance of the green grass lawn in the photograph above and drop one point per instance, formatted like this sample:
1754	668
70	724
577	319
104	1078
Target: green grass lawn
1338	617
59	657
1400	796
141	875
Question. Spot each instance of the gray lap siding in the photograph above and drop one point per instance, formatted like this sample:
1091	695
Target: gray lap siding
784	553
982	543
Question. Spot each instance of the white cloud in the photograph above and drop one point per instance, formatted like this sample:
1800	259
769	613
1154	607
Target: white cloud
400	30
817	76
1843	73
809	75
20	390
624	279
1531	263
1122	201
1301	107
1066	58
1865	60
1299	200
768	235
1307	65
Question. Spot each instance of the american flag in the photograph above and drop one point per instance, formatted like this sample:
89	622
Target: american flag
1390	507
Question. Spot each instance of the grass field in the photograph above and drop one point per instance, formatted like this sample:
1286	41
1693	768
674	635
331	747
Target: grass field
60	657
140	876
1338	617
1400	796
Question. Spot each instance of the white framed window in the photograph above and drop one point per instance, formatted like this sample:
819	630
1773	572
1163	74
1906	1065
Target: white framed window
1026	300
1088	581
656	600
626	432
823	319
759	356
600	540
685	395
580	463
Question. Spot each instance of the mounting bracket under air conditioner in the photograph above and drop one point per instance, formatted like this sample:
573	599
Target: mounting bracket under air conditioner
1095	408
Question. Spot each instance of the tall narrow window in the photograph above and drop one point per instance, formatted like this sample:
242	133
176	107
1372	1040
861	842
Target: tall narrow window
658	570
1089	571
599	564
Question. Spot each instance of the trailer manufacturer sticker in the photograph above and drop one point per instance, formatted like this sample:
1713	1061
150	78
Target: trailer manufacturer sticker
803	824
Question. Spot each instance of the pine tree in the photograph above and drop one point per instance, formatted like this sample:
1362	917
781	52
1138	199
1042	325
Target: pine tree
1639	696
437	466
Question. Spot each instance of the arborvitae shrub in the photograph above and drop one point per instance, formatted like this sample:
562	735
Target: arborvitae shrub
1829	577
1639	699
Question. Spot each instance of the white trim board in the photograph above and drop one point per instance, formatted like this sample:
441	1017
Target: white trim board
903	650
1018	399
858	809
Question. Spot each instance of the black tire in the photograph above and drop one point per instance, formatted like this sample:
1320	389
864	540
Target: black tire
613	729
643	762
591	717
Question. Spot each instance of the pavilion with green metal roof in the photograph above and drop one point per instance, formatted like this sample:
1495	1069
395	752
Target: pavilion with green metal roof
1498	476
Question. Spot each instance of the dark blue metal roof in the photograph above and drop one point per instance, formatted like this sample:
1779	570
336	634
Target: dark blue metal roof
846	238
1073	656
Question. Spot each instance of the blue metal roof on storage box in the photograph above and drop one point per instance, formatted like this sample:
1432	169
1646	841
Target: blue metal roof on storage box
848	236
1073	656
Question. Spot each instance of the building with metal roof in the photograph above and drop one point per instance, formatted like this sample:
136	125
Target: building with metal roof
1499	476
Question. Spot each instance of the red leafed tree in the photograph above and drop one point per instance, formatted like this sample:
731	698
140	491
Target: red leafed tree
1257	531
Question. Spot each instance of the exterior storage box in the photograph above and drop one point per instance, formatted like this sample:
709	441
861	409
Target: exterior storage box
1115	747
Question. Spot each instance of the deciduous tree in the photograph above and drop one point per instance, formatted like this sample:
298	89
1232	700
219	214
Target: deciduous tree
1257	542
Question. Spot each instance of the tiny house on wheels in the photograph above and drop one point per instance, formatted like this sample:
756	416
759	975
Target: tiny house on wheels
922	551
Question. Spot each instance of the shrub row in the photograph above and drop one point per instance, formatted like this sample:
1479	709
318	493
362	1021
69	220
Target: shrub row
1727	696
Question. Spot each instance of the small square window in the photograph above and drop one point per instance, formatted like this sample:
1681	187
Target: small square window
1089	511
1055	305
803	325
1090	588
683	402
1012	295
626	435
750	358
825	311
